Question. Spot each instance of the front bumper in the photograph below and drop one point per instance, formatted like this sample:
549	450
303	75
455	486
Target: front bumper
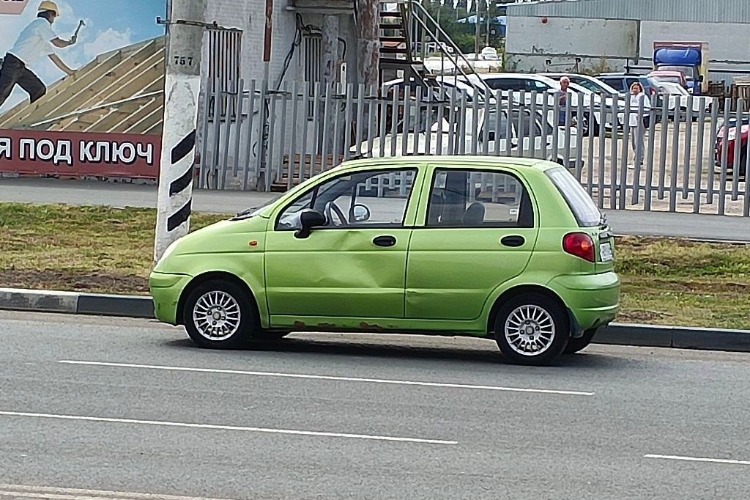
593	300
166	290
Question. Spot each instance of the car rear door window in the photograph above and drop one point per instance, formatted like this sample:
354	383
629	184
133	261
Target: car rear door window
477	199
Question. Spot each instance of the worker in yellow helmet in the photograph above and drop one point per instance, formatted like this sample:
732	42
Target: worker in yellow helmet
37	40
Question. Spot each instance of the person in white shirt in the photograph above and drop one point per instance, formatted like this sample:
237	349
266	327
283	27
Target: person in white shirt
36	41
637	128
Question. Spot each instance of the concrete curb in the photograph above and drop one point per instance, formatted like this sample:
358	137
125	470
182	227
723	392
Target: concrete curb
131	306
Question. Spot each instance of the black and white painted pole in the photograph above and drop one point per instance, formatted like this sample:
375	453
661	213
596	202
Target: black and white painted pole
186	26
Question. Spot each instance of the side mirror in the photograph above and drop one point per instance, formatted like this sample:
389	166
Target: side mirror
308	220
361	213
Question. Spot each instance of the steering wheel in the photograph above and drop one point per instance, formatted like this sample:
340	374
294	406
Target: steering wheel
331	207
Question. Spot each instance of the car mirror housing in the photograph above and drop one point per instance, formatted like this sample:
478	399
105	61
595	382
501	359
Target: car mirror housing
309	219
361	213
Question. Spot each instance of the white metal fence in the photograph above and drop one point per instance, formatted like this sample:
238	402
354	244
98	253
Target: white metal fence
280	137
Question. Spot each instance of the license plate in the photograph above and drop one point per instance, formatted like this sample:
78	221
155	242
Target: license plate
605	250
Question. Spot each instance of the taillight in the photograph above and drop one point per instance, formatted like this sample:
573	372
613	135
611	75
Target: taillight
581	245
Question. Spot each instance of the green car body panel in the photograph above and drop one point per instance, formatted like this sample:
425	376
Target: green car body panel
440	280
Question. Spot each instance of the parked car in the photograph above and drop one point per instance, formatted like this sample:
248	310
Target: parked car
508	249
678	97
600	115
514	85
518	132
670	76
727	136
586	81
622	82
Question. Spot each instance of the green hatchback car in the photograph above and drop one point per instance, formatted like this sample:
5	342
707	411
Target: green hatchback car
508	249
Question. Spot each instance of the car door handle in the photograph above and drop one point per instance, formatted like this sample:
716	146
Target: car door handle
513	241
384	241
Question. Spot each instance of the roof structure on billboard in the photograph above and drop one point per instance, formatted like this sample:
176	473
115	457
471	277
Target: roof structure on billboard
118	92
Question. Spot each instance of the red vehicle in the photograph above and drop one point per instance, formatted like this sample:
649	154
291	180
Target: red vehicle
730	132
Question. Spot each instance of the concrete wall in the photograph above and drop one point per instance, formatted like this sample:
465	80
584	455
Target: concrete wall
728	45
249	16
606	45
554	45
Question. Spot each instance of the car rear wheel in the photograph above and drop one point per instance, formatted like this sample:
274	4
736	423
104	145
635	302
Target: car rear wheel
578	344
531	329
219	315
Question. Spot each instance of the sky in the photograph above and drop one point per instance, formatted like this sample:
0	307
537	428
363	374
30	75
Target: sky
110	25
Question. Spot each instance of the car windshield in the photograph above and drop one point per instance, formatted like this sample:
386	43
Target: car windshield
254	211
593	86
673	88
583	207
689	72
665	78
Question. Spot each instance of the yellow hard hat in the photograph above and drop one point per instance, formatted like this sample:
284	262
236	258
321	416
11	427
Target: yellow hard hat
47	5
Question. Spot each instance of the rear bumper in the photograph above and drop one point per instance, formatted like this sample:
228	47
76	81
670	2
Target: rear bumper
593	300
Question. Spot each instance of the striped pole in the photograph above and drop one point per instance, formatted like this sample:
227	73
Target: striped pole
182	87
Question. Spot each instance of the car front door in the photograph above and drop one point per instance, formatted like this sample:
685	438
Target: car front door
479	233
354	266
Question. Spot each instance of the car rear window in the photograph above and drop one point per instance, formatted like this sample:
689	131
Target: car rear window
583	207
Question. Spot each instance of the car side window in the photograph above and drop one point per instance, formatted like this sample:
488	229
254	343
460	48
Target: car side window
491	127
615	83
527	123
478	199
359	200
537	86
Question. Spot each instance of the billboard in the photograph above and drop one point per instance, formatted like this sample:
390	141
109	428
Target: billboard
81	87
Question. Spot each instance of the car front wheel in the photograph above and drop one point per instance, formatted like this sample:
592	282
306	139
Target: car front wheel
531	329
219	315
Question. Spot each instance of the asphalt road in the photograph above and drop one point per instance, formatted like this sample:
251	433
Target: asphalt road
684	225
91	406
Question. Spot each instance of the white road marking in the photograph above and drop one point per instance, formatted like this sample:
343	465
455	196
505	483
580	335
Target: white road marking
329	377
25	491
227	428
696	459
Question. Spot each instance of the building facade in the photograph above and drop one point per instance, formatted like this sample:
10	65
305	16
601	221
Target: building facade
614	35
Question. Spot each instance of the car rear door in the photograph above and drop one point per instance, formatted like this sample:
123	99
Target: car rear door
478	232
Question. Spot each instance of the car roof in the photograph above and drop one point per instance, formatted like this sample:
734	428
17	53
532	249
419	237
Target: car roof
453	160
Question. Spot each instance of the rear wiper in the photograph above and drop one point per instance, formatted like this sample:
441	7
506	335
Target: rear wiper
602	220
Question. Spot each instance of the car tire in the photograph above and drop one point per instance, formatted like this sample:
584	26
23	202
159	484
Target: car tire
578	344
219	314
531	329
593	126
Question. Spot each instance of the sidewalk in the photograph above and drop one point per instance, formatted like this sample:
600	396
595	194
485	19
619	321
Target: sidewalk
623	222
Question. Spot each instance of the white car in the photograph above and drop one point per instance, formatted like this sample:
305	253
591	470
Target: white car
593	84
676	95
512	85
523	135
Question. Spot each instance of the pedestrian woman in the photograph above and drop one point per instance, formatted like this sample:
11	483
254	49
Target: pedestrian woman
638	100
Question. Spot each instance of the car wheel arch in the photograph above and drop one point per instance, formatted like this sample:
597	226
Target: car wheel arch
519	290
209	276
